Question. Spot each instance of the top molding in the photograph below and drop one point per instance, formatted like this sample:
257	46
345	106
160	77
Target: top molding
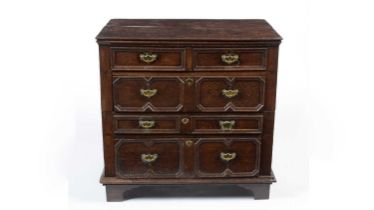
189	30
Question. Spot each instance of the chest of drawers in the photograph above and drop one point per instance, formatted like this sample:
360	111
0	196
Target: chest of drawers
187	106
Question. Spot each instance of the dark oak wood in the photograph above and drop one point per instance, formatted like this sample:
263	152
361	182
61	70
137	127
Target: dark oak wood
209	164
209	95
127	124
210	59
168	163
169	95
173	92
107	106
125	58
260	179
188	106
182	30
187	124
211	124
117	193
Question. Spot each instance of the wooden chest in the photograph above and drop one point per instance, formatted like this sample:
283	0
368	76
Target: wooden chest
188	105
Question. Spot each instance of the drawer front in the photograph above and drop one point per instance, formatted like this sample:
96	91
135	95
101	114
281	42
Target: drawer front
224	124
146	124
219	94
227	157
213	59
144	59
141	158
193	124
139	94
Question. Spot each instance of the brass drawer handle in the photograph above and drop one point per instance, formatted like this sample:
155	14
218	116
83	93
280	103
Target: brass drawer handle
148	57
230	58
148	92
230	93
146	124
226	125
227	156
149	158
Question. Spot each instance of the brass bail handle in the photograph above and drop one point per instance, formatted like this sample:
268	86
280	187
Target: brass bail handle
230	93
148	57
146	124
230	58
227	156
226	125
148	92
149	158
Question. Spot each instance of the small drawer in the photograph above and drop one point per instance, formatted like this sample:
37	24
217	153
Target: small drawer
148	158
145	59
149	124
206	124
227	157
216	59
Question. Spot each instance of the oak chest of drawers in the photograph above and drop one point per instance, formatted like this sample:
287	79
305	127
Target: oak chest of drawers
187	105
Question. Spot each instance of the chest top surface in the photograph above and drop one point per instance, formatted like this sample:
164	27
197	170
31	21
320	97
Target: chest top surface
188	30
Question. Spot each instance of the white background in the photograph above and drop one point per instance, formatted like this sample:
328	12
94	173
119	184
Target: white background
51	149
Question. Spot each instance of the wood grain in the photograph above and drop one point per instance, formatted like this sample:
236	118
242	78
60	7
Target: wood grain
188	79
182	30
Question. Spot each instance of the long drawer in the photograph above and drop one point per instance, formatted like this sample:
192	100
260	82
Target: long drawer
187	157
188	94
189	124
